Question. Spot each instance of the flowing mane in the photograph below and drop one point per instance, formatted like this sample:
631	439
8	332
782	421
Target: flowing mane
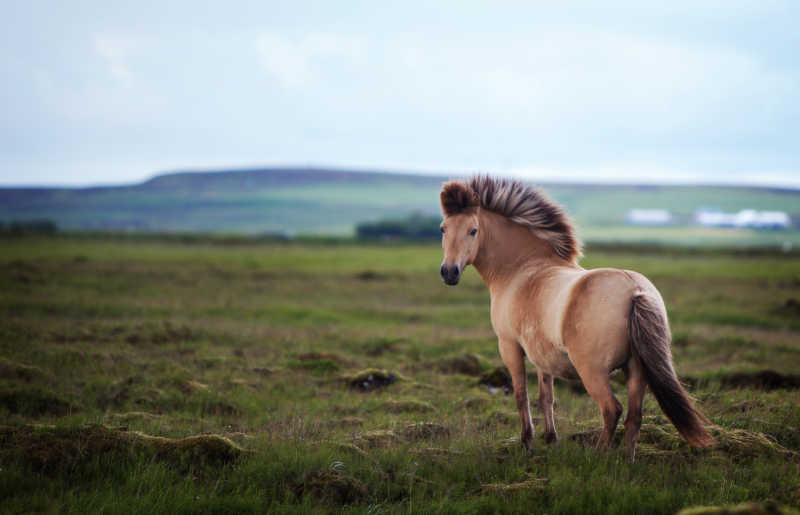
523	205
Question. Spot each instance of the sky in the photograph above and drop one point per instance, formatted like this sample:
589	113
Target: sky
111	92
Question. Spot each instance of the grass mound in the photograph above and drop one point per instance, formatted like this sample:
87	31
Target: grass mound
739	442
749	508
331	486
497	378
424	431
371	379
468	364
379	438
764	380
406	406
767	380
48	448
662	440
15	370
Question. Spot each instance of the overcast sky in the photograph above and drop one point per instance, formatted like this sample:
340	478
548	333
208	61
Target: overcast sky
113	92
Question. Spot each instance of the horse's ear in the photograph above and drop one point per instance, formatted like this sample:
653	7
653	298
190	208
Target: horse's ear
457	198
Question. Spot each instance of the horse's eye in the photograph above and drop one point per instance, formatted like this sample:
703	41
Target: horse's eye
473	232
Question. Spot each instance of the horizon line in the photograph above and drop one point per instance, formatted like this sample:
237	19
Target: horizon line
521	174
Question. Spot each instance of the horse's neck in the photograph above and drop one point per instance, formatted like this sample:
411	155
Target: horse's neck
507	249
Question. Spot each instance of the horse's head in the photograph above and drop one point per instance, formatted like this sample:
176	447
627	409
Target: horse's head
460	231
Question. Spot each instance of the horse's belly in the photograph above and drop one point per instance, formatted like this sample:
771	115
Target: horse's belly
550	359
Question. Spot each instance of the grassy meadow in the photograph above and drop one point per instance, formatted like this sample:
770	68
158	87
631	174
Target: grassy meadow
156	376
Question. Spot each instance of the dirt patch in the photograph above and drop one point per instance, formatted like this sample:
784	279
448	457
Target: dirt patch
371	275
406	406
331	486
24	272
371	379
467	364
35	402
49	448
497	379
789	308
424	431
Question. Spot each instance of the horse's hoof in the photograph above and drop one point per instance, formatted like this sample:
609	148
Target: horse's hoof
550	437
527	440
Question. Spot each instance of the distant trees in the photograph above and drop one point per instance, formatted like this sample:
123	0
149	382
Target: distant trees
417	226
36	226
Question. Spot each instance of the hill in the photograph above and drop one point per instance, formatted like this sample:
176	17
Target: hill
317	201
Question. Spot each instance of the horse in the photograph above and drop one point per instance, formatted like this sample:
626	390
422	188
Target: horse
571	323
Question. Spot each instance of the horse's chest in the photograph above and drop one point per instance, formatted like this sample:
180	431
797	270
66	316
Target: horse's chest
537	335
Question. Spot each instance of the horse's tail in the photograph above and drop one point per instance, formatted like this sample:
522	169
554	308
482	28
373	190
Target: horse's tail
650	337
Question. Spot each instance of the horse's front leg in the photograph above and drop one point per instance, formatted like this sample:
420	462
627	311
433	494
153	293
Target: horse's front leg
514	359
546	399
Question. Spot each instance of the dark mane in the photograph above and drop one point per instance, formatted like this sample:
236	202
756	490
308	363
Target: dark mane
523	205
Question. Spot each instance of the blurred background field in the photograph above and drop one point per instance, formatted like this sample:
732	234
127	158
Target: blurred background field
301	202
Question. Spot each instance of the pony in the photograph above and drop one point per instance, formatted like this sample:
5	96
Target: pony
571	323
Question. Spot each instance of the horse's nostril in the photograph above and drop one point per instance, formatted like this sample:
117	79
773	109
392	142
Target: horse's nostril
443	271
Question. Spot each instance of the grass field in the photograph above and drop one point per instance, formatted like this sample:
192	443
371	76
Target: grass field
107	344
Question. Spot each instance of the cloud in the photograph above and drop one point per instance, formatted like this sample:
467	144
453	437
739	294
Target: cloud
297	61
116	51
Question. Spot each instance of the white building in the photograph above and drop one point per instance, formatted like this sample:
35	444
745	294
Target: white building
648	217
747	218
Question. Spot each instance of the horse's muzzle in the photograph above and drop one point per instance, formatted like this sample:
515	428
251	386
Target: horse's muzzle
451	274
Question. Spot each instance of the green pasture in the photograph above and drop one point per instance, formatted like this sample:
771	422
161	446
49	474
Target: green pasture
330	202
157	376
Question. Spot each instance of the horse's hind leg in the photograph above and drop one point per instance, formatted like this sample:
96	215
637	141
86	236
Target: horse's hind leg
599	388
546	405
637	387
514	359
